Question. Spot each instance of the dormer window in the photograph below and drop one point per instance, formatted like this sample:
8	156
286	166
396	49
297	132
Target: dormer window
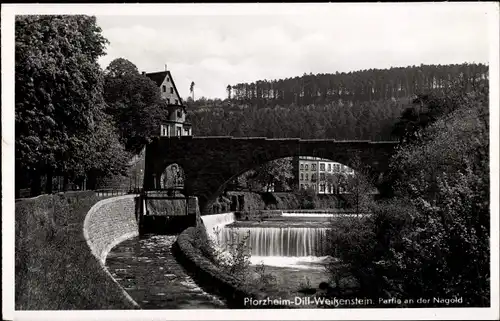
164	88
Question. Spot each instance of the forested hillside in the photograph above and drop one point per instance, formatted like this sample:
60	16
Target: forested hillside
364	85
357	105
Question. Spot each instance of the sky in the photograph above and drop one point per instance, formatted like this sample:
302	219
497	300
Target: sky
215	48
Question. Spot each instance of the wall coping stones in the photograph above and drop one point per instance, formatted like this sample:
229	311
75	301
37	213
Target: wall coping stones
101	257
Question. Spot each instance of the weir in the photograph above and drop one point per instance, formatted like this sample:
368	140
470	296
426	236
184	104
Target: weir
277	241
217	221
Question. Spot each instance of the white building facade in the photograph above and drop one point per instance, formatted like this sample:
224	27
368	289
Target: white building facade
322	175
177	124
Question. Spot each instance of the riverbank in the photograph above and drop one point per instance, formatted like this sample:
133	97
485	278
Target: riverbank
54	266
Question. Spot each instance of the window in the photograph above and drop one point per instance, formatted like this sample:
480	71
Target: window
313	167
322	176
179	131
313	177
329	167
176	102
301	186
322	167
171	90
164	88
322	188
168	100
168	79
301	166
179	114
307	167
307	176
301	176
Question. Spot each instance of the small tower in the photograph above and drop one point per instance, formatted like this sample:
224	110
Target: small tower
176	125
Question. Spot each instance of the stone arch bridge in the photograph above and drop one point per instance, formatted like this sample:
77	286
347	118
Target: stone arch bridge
209	163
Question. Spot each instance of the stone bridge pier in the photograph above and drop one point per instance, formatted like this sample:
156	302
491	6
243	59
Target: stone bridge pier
209	163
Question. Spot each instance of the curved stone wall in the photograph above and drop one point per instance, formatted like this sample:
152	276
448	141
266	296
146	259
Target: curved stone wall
205	272
108	223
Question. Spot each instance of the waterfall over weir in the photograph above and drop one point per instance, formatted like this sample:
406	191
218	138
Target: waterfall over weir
276	241
217	221
268	241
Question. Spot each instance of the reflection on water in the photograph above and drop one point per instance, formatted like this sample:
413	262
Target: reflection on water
148	271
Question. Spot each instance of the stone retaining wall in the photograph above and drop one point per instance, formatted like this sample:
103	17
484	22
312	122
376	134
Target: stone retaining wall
208	275
108	223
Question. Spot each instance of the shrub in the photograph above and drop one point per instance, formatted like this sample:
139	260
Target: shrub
306	287
265	280
233	257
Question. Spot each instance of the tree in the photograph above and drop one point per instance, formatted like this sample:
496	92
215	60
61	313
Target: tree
447	180
228	89
135	104
121	67
433	238
273	173
360	188
191	89
107	155
338	181
58	93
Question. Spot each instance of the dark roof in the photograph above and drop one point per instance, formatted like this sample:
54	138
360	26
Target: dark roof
159	77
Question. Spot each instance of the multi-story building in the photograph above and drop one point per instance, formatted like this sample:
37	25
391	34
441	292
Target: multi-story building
176	125
322	175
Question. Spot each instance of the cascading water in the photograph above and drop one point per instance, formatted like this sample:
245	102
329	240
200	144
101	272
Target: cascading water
217	221
275	241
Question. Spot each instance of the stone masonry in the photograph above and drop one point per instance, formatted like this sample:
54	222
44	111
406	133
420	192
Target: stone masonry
110	222
210	162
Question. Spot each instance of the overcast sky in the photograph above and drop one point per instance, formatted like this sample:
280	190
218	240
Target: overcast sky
215	50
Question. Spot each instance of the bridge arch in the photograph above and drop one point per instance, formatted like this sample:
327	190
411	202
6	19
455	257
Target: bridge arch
172	177
209	163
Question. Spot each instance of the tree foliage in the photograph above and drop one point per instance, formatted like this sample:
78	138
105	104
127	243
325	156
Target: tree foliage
432	239
121	67
357	86
273	175
58	97
135	104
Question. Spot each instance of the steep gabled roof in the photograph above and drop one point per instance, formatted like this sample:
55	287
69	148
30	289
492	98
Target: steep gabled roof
159	77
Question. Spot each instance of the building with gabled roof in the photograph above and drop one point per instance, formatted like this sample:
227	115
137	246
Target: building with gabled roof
176	125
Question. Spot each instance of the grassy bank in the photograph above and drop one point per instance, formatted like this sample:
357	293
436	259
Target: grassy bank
54	268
